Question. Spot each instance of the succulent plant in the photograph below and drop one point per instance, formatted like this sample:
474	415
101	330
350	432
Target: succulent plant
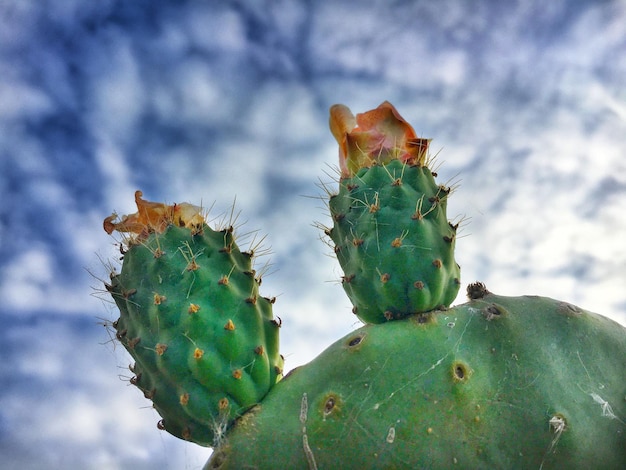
391	234
205	343
497	382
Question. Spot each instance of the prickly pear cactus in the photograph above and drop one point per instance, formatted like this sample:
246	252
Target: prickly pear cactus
499	382
204	341
391	235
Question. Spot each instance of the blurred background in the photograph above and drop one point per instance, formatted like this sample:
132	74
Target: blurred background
212	102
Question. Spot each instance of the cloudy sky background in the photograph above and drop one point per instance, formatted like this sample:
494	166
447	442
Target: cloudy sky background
207	101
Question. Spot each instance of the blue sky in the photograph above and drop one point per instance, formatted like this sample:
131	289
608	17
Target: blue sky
212	102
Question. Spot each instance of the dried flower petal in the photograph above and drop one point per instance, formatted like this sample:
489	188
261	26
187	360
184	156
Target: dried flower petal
374	137
155	217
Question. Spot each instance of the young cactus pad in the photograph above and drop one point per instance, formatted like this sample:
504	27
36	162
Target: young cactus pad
391	235
204	341
499	382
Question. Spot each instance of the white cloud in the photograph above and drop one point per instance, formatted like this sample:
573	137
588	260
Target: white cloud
25	280
76	415
16	20
21	100
215	28
119	93
200	94
283	113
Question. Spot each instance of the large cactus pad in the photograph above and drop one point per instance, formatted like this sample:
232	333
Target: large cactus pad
499	382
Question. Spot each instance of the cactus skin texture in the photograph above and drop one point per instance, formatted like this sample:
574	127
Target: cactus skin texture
205	343
391	235
499	382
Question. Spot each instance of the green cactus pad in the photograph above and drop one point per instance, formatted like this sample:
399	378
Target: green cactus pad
204	341
394	242
499	382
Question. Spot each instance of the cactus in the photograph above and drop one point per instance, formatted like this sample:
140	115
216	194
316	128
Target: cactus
497	382
391	234
205	343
